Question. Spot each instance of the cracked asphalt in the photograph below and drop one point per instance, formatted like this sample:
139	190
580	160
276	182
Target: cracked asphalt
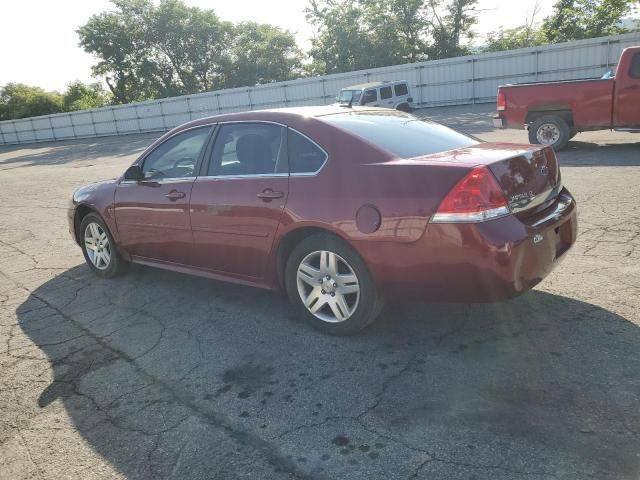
161	375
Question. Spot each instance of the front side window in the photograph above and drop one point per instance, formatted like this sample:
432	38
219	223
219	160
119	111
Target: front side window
249	149
401	89
385	93
176	157
369	96
634	69
345	96
304	155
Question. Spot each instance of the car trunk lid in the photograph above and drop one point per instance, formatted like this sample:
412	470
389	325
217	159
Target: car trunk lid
528	174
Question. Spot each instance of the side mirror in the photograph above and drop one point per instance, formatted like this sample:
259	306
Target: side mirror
134	172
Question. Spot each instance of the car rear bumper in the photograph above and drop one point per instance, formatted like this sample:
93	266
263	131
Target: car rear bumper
499	122
478	262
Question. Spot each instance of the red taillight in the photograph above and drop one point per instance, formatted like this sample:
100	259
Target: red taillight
475	198
501	101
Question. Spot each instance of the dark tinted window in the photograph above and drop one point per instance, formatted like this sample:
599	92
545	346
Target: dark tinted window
248	149
304	155
401	133
634	70
369	96
401	89
385	92
177	156
345	96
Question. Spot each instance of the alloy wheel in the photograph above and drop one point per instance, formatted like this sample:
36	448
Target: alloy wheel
97	245
328	286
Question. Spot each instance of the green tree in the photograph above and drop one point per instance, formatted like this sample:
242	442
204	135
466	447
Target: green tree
450	28
149	50
579	19
82	96
262	53
18	100
517	37
358	34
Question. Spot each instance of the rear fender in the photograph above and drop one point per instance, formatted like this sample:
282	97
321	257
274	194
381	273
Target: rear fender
562	111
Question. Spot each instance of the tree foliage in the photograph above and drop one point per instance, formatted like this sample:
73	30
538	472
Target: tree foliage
18	100
146	50
357	34
579	19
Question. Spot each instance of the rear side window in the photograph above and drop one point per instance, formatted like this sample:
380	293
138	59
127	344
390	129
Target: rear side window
634	70
369	96
401	89
304	155
401	133
385	92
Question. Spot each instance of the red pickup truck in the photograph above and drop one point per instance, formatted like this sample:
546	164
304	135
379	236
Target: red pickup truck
553	112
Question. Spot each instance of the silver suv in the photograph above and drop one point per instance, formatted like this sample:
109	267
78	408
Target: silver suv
389	94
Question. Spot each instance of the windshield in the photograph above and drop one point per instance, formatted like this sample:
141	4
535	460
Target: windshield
345	96
401	133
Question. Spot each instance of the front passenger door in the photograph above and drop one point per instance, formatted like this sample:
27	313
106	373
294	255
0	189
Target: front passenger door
152	215
237	206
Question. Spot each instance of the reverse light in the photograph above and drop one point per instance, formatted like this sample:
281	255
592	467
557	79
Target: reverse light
501	101
475	198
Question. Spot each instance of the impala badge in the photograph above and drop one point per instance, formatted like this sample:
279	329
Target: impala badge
537	238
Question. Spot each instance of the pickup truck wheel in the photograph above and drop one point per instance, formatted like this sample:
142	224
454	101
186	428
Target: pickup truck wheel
550	130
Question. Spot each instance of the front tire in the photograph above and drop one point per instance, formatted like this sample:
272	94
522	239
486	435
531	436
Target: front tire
99	249
550	130
330	286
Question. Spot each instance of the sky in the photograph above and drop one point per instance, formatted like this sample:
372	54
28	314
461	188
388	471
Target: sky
39	43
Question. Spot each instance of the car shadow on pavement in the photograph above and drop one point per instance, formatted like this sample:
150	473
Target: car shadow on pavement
589	154
170	376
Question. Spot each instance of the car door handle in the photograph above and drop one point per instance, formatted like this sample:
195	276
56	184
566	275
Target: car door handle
268	195
174	195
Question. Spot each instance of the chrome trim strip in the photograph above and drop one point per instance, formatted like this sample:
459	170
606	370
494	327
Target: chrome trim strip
160	180
563	204
232	177
471	217
252	121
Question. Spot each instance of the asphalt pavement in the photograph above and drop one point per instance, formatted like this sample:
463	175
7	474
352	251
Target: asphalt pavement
162	375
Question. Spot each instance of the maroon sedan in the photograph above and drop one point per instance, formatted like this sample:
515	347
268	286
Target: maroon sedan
342	208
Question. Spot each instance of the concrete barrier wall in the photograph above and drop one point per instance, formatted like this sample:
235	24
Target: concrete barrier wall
453	81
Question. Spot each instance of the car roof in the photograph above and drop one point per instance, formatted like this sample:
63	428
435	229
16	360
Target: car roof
385	83
276	115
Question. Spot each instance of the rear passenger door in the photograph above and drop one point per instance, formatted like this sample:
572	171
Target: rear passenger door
386	97
370	97
237	201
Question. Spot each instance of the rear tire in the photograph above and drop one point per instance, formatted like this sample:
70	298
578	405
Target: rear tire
550	130
330	286
404	107
99	249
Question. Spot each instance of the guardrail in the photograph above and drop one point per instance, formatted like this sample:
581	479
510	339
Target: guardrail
453	81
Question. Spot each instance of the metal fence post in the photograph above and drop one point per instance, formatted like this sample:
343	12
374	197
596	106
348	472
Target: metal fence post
53	132
73	127
324	91
218	103
537	64
284	94
473	80
250	99
93	123
420	84
162	114
189	108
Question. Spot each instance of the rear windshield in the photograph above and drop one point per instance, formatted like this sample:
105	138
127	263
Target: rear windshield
401	133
